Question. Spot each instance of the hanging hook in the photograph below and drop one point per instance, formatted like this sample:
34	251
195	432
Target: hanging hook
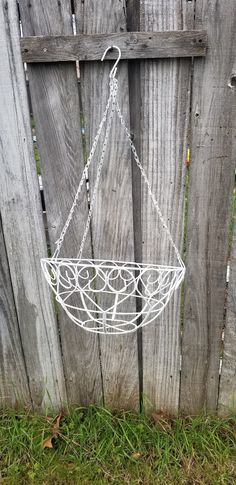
114	69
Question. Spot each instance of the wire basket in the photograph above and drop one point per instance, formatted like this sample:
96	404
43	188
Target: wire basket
106	296
120	284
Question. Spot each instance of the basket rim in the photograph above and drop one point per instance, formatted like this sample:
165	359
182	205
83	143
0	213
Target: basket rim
109	263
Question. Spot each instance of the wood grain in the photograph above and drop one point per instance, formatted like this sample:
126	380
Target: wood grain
133	45
188	12
227	391
24	234
112	224
14	389
56	108
164	119
210	187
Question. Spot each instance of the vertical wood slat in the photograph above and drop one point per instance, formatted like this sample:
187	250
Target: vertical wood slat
210	188
227	391
56	110
24	234
112	224
14	389
165	88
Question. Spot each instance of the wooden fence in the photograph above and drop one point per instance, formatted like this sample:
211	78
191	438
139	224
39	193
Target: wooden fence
186	360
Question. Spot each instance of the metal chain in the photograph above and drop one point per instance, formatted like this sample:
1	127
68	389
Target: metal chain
113	88
113	104
143	173
92	151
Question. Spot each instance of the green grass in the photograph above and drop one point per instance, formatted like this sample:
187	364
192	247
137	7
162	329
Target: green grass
96	447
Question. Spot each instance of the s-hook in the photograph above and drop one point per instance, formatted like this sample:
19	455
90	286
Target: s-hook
114	69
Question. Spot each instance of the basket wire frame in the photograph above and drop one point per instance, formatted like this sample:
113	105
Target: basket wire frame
107	296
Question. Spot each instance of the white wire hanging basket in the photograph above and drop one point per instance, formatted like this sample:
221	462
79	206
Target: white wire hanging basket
107	296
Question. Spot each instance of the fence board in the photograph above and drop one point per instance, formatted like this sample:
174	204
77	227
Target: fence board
165	107
112	224
23	226
56	109
188	14
210	188
227	392
13	377
133	45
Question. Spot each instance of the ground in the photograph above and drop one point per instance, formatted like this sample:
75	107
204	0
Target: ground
94	446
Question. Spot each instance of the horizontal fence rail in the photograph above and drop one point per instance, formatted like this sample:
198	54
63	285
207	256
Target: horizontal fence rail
135	45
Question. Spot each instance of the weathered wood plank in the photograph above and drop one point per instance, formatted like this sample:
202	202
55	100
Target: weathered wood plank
164	118
210	188
227	392
112	224
133	45
188	14
56	110
23	230
14	389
